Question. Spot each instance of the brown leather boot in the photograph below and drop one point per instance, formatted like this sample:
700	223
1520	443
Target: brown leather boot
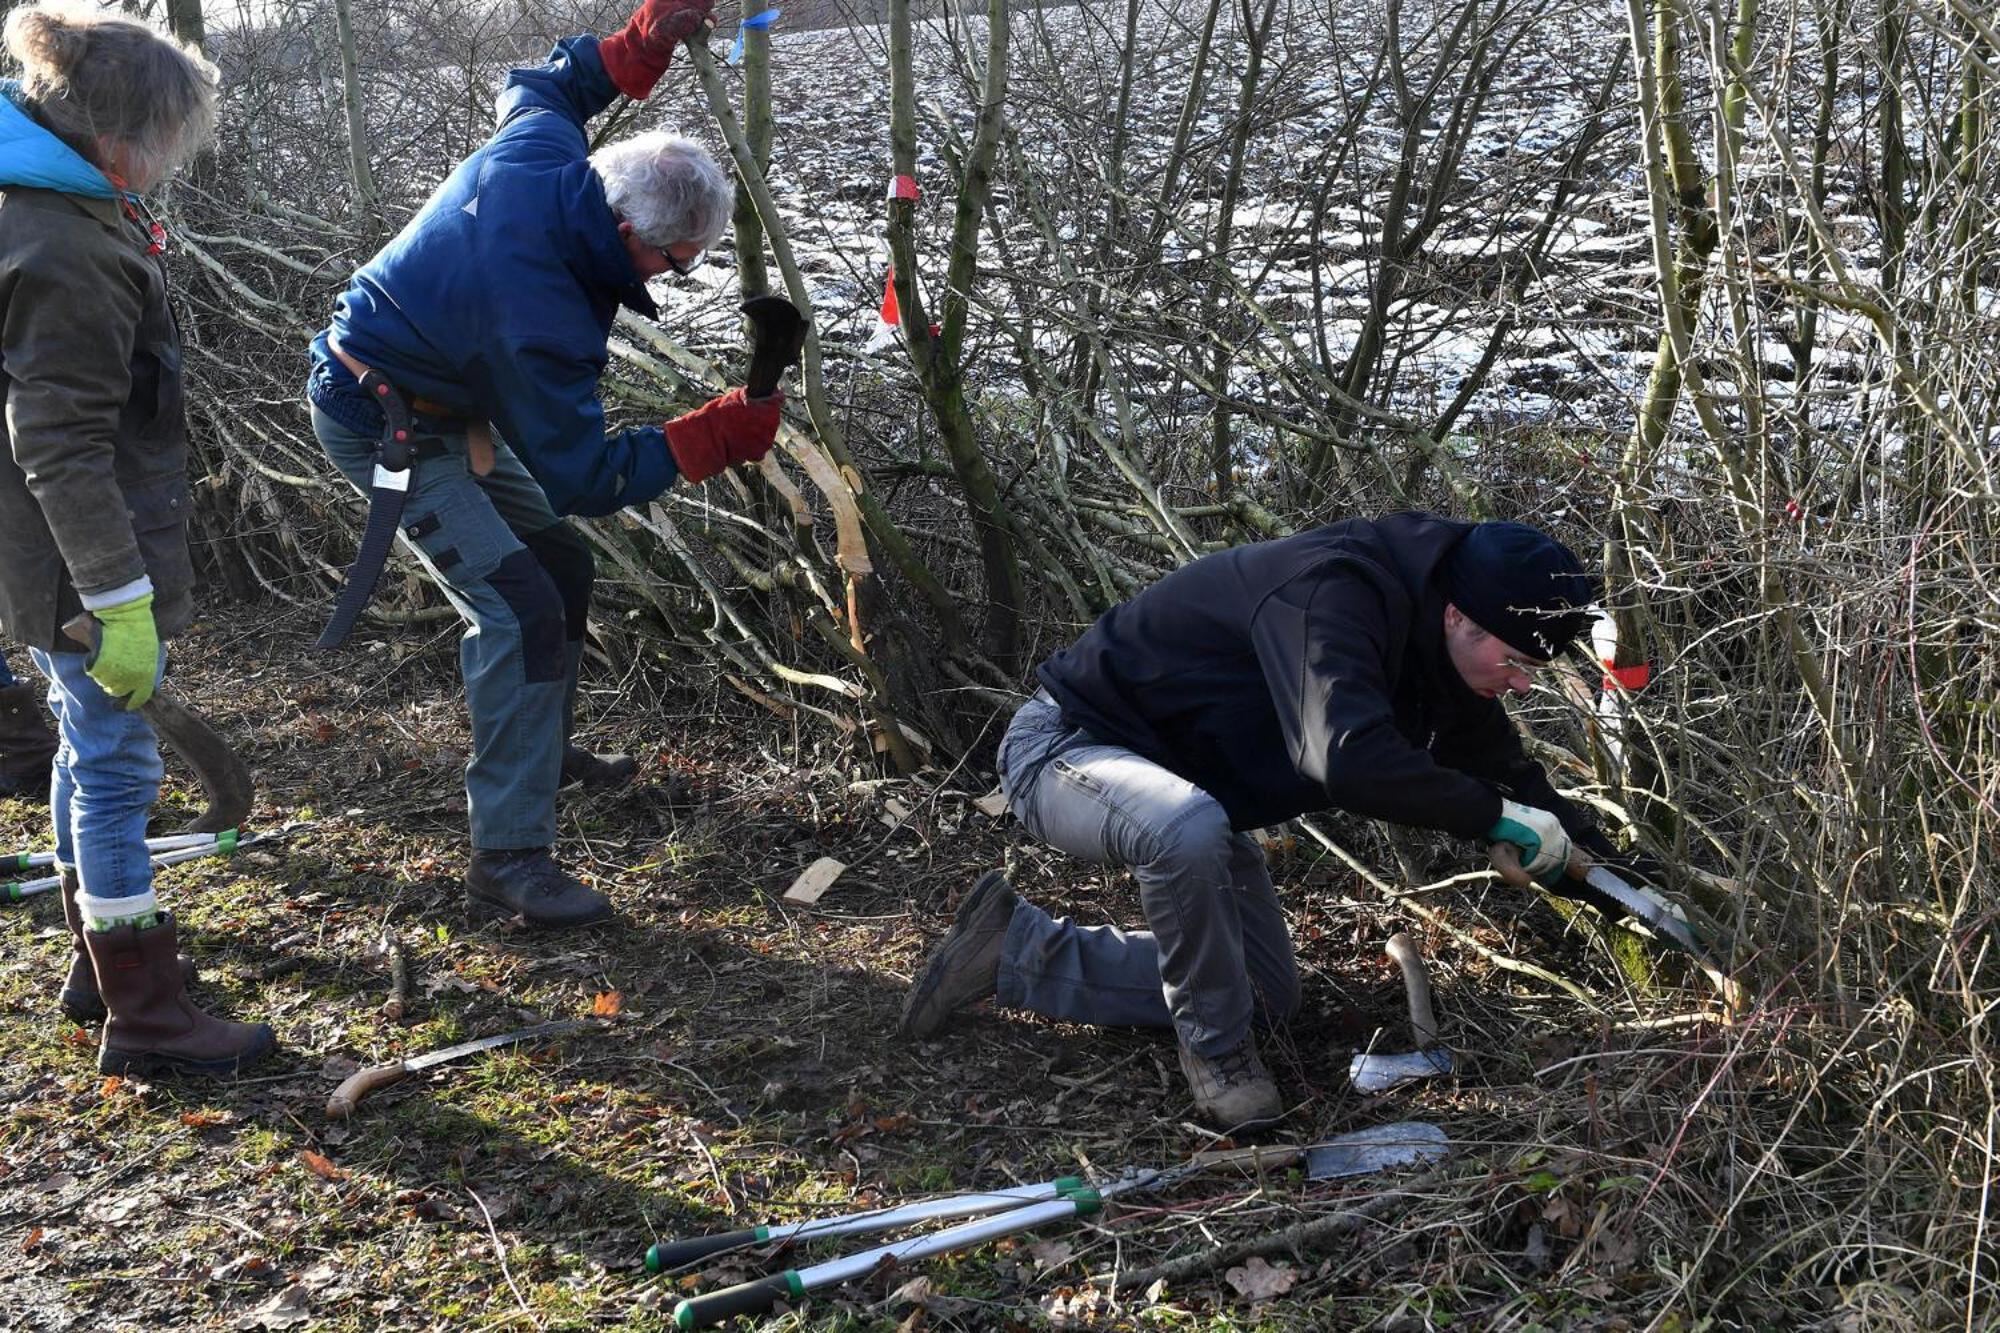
26	746
153	1027
80	1001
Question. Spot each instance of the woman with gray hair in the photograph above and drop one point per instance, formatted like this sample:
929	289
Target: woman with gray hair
487	320
94	492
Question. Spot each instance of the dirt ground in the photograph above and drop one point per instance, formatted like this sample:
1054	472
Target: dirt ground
746	1068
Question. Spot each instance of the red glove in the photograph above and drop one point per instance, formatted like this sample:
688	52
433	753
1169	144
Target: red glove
725	430
636	55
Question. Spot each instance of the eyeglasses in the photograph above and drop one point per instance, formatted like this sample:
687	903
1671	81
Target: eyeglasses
682	267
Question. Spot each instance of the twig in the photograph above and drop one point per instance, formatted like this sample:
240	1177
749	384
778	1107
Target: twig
1291	1240
398	1002
500	1253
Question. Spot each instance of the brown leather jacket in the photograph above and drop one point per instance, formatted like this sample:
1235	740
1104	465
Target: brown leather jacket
93	473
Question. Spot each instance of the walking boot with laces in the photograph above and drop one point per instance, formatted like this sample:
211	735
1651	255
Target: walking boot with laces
80	1001
1233	1090
527	883
152	1027
966	967
26	745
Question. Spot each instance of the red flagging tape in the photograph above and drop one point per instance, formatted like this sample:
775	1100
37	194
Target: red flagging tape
1629	678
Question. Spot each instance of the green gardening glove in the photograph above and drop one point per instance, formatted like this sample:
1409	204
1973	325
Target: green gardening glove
126	661
1539	834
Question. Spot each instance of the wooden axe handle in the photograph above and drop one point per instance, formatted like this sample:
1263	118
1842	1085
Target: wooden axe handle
358	1085
1417	986
1254	1159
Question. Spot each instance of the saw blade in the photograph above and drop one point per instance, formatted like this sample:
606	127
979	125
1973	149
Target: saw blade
449	1053
1647	906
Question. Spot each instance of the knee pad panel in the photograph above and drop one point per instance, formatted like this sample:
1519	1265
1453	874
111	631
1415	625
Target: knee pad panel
537	605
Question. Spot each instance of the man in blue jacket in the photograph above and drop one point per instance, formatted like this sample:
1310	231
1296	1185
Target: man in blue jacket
489	315
1357	666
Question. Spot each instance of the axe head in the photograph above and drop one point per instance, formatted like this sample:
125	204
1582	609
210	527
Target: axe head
1377	1148
777	337
1375	1071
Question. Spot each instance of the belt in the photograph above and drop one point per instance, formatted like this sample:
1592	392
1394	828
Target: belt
478	431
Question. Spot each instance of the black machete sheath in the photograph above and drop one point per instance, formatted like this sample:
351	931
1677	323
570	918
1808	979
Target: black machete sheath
395	469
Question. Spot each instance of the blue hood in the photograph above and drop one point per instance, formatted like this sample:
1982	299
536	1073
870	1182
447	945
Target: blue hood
31	156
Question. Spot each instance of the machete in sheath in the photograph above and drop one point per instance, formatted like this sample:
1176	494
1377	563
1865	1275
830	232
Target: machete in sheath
395	459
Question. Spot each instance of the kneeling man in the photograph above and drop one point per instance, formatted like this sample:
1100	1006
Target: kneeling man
1357	667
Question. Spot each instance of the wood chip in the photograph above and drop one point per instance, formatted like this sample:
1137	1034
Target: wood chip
814	880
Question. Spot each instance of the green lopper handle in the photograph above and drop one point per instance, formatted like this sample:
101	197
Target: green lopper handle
674	1253
745	1298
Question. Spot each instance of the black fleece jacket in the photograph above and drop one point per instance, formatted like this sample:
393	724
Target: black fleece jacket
1306	673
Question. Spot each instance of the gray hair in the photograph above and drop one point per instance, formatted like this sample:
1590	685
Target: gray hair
667	187
94	77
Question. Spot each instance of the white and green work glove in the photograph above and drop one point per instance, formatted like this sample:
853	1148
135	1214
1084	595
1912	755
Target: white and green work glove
126	661
1540	836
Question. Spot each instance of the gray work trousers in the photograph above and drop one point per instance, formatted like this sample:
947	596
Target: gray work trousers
1217	953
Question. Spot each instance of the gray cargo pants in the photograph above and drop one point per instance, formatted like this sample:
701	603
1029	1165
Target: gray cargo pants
1217	953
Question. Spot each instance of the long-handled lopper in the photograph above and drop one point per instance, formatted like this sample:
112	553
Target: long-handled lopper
172	842
179	847
1361	1153
674	1253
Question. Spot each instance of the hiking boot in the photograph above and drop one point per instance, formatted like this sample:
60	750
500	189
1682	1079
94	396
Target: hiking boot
26	745
527	883
1232	1090
597	772
966	967
153	1027
80	1001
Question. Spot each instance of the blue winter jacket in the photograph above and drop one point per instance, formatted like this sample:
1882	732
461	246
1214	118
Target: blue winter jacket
498	298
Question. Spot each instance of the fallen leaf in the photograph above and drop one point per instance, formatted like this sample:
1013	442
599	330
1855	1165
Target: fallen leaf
34	1239
205	1119
321	1166
607	1004
895	1124
914	1292
287	1309
993	804
1259	1281
814	881
111	1084
1051	1253
243	1265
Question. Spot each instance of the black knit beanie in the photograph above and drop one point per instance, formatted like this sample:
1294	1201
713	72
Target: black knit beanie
1520	584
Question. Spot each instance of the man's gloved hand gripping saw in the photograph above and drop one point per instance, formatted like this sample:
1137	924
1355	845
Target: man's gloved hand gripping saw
637	54
1543	842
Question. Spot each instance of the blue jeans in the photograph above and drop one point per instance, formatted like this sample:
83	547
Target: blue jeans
106	776
473	534
1217	954
6	676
